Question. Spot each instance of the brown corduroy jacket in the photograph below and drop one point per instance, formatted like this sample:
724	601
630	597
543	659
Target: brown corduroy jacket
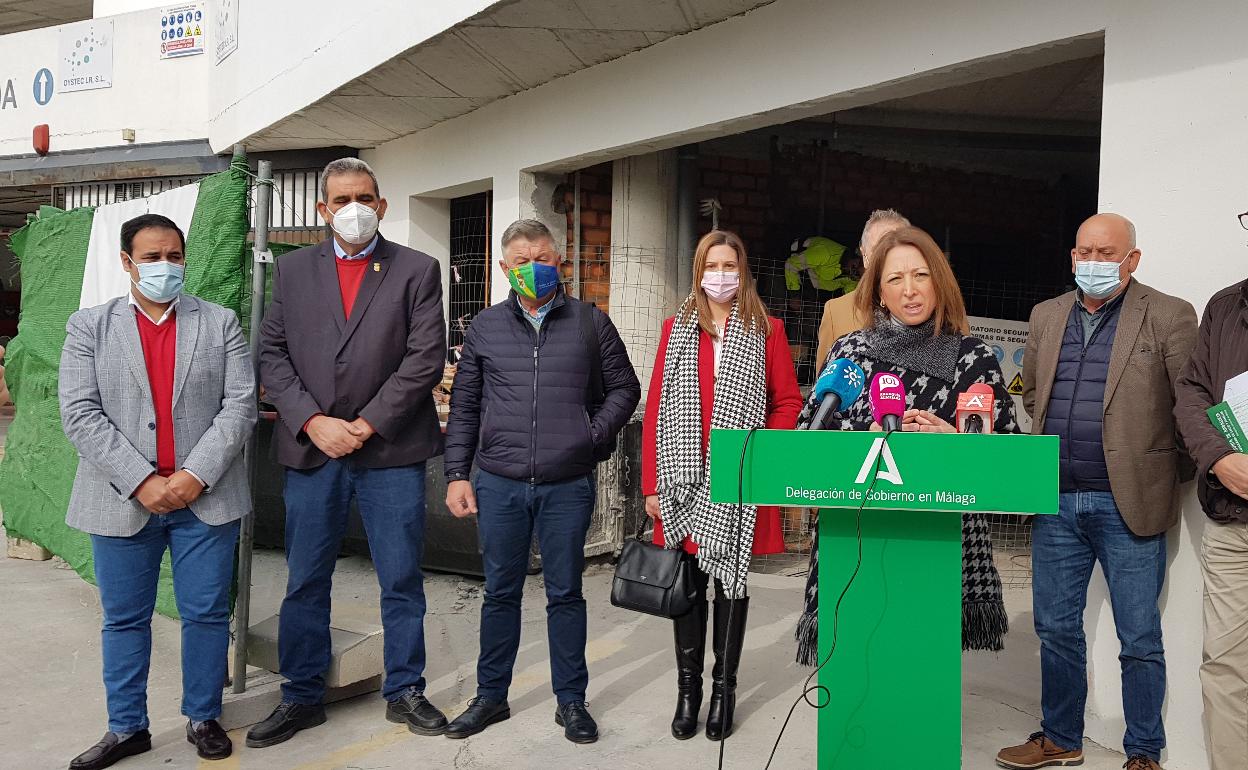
1221	353
1153	342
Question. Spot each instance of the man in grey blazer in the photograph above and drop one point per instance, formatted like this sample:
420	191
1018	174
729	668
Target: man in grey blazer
157	395
353	344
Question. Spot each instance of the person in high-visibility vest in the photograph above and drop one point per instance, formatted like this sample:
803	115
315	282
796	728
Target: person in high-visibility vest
820	259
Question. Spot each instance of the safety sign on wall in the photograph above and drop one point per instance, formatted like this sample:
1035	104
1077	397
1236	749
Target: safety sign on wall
182	31
1008	339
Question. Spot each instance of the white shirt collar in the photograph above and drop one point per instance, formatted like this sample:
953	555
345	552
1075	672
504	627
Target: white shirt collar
168	311
365	254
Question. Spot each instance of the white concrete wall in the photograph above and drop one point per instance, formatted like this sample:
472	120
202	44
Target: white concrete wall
1173	159
161	100
286	60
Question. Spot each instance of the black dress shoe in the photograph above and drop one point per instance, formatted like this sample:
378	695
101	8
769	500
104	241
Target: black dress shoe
578	726
414	709
109	751
481	714
210	740
286	720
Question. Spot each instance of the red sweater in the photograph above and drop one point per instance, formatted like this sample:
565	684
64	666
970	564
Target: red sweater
784	403
350	276
160	354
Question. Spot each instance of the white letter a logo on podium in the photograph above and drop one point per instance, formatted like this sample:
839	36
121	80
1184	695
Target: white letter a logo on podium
888	471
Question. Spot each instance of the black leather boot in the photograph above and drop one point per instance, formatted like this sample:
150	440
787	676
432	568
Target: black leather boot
724	673
690	656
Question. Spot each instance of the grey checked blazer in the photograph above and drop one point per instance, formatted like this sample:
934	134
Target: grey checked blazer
107	413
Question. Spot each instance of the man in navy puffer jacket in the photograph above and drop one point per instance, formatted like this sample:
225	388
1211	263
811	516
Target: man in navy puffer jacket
521	409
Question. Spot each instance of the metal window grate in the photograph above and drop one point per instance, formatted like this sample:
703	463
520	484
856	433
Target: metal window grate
470	265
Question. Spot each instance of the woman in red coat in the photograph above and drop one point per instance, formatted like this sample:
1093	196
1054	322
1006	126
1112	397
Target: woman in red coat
723	363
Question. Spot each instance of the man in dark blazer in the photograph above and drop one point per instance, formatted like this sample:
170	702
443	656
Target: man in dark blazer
1099	372
353	344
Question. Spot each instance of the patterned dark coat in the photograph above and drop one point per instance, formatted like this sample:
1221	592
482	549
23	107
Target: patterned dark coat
984	621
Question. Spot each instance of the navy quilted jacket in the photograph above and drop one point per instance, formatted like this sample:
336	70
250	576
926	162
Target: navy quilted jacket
519	405
1077	403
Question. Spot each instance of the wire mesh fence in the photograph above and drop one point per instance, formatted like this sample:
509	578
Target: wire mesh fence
469	266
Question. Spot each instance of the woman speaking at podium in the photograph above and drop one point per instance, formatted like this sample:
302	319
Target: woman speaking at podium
919	332
723	363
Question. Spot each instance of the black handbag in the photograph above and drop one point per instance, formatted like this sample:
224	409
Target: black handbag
652	579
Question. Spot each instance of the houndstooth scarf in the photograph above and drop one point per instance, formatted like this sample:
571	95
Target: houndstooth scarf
922	363
724	532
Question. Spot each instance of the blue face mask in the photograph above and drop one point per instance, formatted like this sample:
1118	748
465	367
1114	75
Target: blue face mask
1098	279
159	281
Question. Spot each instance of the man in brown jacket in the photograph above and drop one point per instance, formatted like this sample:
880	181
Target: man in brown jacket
839	316
1099	372
1222	477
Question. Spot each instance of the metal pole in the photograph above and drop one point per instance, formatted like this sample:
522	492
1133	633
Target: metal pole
821	147
246	536
686	217
576	235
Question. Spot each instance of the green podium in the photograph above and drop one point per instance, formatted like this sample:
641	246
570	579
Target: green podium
895	678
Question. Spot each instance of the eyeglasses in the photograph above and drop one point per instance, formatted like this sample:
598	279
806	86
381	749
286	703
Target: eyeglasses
1243	220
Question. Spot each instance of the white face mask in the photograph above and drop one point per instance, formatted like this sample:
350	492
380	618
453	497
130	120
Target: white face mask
355	223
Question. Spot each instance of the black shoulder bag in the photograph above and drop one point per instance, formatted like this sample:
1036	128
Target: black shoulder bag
652	579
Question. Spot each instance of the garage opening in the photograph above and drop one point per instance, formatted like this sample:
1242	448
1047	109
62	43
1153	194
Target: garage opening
1001	172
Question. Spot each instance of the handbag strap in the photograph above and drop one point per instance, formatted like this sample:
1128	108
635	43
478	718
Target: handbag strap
641	525
593	351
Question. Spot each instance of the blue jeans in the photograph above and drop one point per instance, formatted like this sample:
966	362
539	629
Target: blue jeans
1089	528
127	570
508	512
392	506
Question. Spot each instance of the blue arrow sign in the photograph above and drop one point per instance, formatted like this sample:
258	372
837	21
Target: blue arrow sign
43	86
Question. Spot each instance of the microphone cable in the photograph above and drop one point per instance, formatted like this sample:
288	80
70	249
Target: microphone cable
807	689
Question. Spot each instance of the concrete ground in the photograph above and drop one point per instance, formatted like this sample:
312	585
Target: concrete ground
54	702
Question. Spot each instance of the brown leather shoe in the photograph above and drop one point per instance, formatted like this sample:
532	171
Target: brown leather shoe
1038	751
1141	762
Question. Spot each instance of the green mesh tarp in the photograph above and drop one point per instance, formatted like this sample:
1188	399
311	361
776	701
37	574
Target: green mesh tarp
37	472
39	463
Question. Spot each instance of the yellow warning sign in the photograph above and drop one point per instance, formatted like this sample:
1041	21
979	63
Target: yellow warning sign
1015	387
198	31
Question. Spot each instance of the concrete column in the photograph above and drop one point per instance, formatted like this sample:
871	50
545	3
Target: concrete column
507	208
429	230
643	253
537	193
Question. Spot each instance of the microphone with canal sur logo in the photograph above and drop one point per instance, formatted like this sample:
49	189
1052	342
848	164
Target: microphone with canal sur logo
888	401
975	409
839	386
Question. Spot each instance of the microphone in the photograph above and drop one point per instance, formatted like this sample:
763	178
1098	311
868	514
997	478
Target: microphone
888	401
975	408
839	386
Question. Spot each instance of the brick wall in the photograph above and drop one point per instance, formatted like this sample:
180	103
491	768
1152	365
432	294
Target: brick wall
595	233
771	201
